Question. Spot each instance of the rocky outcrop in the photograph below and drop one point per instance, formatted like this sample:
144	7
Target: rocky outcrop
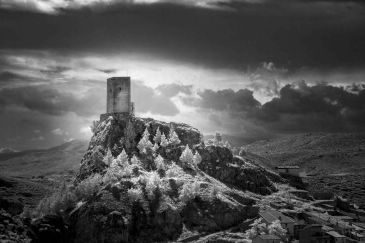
146	202
112	132
220	163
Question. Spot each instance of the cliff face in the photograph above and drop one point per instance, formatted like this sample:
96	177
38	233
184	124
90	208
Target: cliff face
155	196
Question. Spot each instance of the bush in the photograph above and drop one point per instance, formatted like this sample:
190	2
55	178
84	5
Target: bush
189	191
88	187
59	202
174	170
135	194
152	183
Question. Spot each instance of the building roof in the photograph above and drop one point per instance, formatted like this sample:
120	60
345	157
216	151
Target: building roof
335	234
327	228
268	237
271	215
287	167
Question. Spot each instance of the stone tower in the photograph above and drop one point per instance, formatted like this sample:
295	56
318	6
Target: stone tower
118	95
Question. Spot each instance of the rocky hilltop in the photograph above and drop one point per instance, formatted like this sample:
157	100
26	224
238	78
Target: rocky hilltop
143	180
154	192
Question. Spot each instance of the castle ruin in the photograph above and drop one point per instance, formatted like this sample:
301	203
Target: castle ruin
118	99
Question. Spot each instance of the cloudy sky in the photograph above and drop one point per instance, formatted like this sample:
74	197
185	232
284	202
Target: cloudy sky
250	68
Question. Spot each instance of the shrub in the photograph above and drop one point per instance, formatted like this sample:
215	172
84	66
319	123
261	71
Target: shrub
135	194
174	170
59	202
189	191
152	184
88	187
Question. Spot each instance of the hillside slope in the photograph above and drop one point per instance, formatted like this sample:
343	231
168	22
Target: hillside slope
33	163
316	153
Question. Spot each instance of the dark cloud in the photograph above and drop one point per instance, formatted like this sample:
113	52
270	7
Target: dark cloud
291	33
227	100
299	108
50	101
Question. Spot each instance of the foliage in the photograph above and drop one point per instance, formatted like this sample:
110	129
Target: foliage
257	228
174	138
135	161
189	191
197	158
135	194
155	148
174	170
157	138
159	162
164	142
152	183
122	159
145	144
108	159
60	201
187	156
88	187
275	228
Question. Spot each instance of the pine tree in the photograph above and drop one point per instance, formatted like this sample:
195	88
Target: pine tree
157	137
145	144
146	133
173	138
108	159
164	142
159	162
155	148
122	159
187	156
197	158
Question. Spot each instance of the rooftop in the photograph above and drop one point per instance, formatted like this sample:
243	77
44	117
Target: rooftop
272	215
335	234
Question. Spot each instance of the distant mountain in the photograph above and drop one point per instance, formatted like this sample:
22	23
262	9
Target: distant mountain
64	158
322	153
7	150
